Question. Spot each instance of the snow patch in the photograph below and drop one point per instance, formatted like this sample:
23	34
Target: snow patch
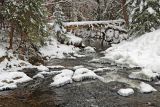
83	73
89	49
146	88
42	68
143	51
56	50
126	92
63	78
145	74
9	80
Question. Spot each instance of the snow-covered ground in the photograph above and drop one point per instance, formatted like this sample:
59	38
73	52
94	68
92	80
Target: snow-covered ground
143	51
56	50
9	71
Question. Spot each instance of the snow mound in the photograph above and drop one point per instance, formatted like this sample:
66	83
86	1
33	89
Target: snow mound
126	92
146	88
63	78
42	68
143	51
89	49
56	50
145	74
77	67
9	80
2	52
83	73
72	39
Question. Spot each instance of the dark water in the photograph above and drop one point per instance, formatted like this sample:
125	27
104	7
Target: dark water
89	93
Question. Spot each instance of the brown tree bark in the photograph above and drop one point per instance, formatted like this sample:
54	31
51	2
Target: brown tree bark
11	33
124	11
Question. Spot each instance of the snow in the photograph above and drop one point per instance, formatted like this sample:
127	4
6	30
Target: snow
57	50
10	79
150	10
89	49
126	92
92	22
83	73
73	39
9	71
42	68
63	78
143	51
77	67
145	74
146	88
55	66
2	52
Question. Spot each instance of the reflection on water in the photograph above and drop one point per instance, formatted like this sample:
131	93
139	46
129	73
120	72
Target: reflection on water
99	44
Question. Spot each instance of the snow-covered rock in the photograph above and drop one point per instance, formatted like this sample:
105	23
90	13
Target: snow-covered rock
73	39
146	88
55	66
143	51
63	78
126	92
9	80
145	74
42	68
89	49
77	67
56	50
83	73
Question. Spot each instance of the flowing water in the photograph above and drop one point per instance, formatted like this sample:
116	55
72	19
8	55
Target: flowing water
88	93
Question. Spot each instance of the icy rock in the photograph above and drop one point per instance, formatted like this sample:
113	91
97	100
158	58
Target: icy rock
89	49
42	68
63	78
55	67
83	73
146	88
9	80
126	92
145	74
77	67
38	76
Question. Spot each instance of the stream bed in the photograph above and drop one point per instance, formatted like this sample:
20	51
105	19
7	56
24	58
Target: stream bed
88	93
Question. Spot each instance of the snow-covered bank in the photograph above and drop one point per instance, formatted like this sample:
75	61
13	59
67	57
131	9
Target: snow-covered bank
143	51
56	50
9	70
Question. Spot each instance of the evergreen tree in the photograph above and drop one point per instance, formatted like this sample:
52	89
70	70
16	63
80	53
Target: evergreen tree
26	18
144	16
58	23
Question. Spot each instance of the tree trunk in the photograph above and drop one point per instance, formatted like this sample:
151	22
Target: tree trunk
11	33
124	11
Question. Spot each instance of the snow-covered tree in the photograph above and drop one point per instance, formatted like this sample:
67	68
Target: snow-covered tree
26	18
58	22
144	16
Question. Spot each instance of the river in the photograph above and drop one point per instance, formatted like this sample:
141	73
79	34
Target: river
88	93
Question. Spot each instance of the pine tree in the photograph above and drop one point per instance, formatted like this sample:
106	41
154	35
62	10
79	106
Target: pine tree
145	16
26	18
58	23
